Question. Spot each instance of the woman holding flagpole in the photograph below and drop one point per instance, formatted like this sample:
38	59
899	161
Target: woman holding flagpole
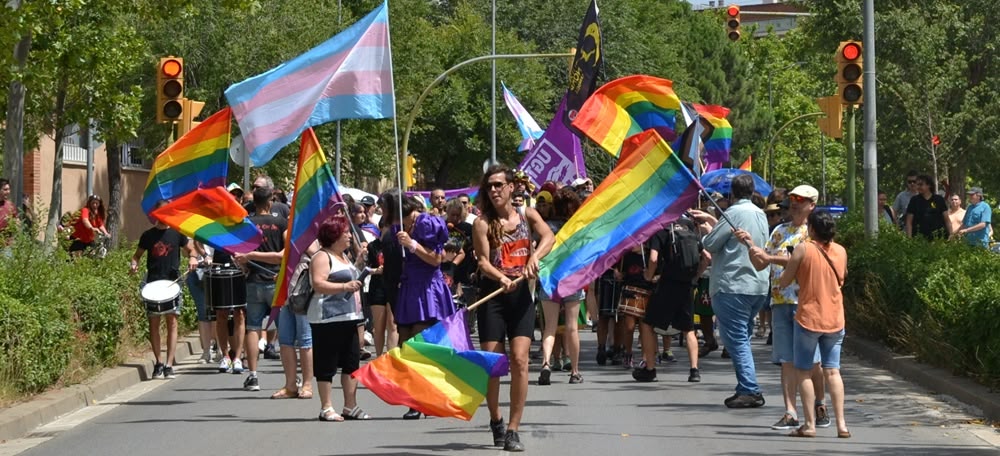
502	239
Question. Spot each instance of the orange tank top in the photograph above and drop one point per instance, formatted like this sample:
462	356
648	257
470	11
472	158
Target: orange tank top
821	303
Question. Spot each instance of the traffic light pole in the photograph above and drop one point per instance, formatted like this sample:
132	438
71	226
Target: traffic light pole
441	77
871	155
851	161
774	138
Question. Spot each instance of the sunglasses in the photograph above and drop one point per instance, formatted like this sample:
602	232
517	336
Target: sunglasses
496	185
799	199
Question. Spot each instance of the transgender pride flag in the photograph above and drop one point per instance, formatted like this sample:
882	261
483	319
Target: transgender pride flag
347	77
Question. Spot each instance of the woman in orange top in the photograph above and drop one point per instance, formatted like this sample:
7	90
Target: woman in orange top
819	267
89	225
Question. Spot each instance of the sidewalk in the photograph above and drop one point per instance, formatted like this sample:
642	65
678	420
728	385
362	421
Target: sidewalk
21	419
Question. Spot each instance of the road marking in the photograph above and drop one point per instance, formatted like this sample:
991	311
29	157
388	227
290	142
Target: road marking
75	418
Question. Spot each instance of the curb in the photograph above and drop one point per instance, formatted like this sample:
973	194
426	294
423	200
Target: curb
933	378
21	419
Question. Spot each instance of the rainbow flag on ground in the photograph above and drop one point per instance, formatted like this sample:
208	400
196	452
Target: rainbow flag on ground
436	372
644	193
211	216
719	132
626	107
199	159
316	192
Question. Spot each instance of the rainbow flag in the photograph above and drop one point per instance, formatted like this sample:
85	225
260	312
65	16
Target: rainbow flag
644	193
211	216
719	132
348	76
313	201
626	107
436	372
200	159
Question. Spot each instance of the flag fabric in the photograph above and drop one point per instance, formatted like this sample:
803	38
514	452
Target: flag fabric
690	144
530	131
718	136
316	192
437	372
199	159
348	76
626	107
645	193
586	63
211	216
557	156
748	164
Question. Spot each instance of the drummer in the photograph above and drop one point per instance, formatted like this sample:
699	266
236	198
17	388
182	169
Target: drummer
164	246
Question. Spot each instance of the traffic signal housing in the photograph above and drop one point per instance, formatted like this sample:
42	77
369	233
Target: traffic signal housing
191	109
733	22
850	87
169	90
410	171
832	124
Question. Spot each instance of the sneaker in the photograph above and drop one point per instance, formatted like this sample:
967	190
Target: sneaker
168	372
237	367
498	430
251	384
365	355
616	357
206	357
641	364
668	357
725	353
694	376
271	353
707	348
566	365
745	400
544	377
822	418
226	365
644	375
158	370
602	357
770	339
575	379
786	422
627	361
511	442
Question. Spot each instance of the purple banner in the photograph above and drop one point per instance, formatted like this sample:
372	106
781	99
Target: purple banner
556	156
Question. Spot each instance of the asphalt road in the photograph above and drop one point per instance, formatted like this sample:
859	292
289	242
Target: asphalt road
204	412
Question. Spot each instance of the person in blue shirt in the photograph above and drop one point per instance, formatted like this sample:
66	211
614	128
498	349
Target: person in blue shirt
976	223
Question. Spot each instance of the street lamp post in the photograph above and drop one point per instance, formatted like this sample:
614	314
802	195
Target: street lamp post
770	129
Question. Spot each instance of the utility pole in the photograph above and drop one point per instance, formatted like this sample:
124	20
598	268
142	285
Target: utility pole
870	146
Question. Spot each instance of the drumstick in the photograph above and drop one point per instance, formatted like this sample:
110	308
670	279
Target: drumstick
491	295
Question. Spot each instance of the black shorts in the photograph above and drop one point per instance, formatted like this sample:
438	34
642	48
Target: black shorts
376	294
79	246
335	345
508	315
672	304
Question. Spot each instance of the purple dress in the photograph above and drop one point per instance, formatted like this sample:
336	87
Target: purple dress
423	294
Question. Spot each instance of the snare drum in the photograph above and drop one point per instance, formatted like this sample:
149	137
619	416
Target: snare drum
225	288
634	301
161	297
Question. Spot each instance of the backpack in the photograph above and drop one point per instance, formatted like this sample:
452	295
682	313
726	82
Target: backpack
682	251
300	292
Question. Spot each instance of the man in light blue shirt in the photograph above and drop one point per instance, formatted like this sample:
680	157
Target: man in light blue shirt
737	288
976	223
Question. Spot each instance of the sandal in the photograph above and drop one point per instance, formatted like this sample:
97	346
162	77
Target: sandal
283	393
355	414
328	414
802	432
844	434
305	393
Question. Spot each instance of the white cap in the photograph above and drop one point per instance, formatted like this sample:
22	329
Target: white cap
805	191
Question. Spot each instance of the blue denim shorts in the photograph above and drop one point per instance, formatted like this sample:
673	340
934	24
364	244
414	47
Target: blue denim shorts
293	330
807	342
575	297
783	334
259	297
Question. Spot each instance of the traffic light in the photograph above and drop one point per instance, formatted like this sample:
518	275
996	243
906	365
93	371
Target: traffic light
191	109
733	22
410	171
832	124
169	90
850	88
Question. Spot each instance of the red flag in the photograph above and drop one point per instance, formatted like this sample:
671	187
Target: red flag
747	164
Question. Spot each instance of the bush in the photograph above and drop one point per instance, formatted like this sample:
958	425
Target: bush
936	300
61	319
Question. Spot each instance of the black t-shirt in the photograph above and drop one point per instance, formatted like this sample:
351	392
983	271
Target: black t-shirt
163	253
374	260
220	256
928	215
278	209
633	269
273	229
392	262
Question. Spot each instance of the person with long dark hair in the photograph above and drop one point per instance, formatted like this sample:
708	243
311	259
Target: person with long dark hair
502	240
89	225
